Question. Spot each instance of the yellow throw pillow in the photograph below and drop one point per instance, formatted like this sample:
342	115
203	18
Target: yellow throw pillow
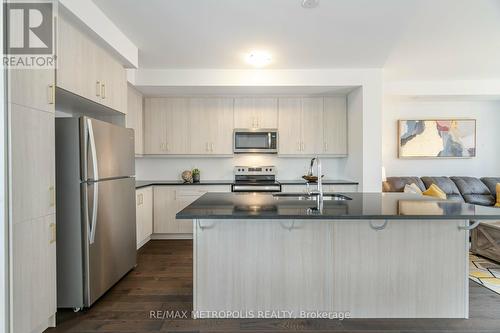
435	191
498	195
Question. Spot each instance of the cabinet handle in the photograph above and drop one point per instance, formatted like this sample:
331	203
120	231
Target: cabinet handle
53	233
98	88
52	195
103	91
207	146
212	147
52	93
325	146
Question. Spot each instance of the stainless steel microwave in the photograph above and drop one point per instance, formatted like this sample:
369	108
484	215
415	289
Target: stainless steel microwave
255	141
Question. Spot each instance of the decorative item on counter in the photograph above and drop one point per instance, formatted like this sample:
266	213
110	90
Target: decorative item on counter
187	176
196	175
311	179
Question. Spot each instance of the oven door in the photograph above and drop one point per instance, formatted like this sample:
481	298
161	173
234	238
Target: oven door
255	141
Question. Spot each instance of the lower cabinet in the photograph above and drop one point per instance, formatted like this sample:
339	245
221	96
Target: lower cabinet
326	188
34	269
168	200
144	214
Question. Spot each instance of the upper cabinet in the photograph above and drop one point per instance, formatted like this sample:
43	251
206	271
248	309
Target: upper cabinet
312	126
86	69
134	118
34	88
335	126
204	126
195	126
254	112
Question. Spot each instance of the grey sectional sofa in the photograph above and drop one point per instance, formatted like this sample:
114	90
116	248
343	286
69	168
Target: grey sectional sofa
485	239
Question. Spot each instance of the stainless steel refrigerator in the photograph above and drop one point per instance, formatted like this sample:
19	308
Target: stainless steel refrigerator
95	186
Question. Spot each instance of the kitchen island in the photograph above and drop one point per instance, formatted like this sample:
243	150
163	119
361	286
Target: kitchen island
370	255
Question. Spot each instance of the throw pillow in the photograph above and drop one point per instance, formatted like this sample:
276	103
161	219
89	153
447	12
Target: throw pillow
412	188
435	191
498	195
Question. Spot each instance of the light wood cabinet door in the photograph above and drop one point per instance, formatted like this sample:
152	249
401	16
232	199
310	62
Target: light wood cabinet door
34	271
254	112
335	126
290	126
201	123
177	126
77	58
163	207
155	126
134	117
312	126
113	82
221	126
211	127
144	215
33	163
33	88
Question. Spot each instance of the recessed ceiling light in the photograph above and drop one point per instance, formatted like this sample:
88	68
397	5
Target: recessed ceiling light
258	58
310	3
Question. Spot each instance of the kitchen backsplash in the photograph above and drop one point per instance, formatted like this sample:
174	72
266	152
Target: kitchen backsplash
154	168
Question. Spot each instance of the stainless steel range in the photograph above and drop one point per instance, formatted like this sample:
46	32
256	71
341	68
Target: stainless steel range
255	179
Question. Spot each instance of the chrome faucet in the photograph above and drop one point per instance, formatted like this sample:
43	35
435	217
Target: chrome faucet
319	183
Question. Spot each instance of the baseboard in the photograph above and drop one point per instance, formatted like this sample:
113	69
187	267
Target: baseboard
144	241
171	236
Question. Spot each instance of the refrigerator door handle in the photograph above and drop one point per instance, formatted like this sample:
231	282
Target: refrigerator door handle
93	150
94	213
95	184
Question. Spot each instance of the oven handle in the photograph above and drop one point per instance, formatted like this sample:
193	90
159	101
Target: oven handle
255	188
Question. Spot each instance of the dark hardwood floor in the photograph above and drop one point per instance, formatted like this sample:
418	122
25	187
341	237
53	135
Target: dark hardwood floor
163	281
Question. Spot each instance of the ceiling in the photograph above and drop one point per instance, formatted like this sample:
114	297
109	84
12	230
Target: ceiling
412	37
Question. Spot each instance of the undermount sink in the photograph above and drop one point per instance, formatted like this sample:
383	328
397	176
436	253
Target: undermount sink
305	196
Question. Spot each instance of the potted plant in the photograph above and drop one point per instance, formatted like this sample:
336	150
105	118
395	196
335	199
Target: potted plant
196	175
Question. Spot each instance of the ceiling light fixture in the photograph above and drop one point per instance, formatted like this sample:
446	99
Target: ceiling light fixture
259	58
310	3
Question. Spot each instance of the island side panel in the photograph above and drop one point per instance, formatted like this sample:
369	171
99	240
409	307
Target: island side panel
410	269
263	265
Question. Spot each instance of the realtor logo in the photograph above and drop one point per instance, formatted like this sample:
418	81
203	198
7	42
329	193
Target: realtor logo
29	34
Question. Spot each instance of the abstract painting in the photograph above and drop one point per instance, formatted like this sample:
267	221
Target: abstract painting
447	138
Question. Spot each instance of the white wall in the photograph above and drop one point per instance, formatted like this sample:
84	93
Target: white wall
487	113
157	168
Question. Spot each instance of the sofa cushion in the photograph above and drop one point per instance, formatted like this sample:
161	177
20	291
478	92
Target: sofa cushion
397	184
474	191
445	184
491	183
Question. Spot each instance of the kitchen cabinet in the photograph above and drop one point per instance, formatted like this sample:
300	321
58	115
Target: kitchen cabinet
255	112
168	200
312	126
34	271
290	126
86	69
134	117
335	126
32	88
33	163
166	126
211	129
144	215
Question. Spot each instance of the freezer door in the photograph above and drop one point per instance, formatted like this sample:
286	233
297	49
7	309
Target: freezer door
107	150
111	237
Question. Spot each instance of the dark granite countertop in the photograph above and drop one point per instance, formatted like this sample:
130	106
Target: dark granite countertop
144	183
325	182
366	206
